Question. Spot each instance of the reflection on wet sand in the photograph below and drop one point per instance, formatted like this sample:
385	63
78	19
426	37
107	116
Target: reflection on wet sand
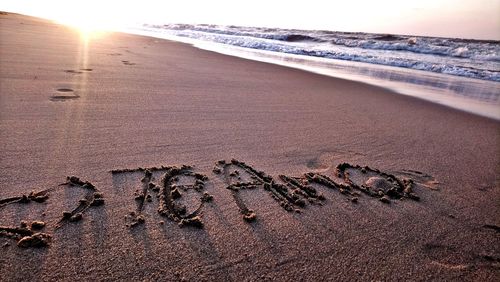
480	97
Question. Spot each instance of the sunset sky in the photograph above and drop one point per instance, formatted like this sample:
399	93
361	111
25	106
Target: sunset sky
449	18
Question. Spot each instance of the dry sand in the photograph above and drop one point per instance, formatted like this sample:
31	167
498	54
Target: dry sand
128	101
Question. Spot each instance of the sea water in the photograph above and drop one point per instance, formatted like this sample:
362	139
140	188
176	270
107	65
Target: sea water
459	73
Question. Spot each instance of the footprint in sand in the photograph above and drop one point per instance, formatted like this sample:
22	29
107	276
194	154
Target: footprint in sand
127	63
65	94
73	71
78	71
65	90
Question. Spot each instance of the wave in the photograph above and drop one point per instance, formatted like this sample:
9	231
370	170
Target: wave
478	59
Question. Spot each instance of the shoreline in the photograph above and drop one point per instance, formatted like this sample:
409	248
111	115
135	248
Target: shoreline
109	109
430	86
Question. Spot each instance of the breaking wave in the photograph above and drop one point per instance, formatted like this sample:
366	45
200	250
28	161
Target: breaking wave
478	59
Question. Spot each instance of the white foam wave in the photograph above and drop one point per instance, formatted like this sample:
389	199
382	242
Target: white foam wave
467	58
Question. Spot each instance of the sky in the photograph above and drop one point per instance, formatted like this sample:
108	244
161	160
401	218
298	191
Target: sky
478	19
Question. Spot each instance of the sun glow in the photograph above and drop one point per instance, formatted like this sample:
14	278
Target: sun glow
87	20
85	26
87	16
448	18
89	30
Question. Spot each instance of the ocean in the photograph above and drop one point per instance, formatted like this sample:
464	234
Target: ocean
459	73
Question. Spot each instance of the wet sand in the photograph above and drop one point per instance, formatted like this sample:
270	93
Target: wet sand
331	179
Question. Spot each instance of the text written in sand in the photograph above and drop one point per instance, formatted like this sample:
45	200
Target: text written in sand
179	193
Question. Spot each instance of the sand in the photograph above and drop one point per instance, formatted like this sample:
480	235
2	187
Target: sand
125	113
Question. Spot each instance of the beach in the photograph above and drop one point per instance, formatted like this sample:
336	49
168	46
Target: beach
119	111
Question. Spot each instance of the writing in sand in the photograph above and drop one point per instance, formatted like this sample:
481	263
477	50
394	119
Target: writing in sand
179	192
